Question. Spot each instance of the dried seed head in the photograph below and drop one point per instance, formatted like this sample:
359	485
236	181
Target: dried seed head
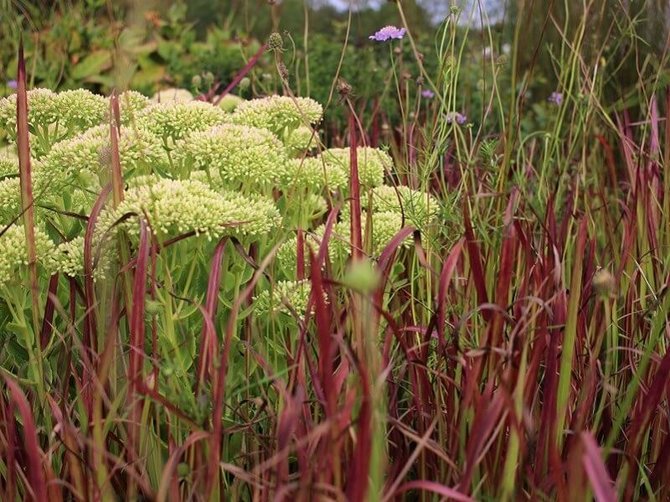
283	71
343	87
275	42
604	283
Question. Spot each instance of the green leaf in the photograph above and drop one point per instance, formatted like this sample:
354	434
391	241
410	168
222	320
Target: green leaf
93	64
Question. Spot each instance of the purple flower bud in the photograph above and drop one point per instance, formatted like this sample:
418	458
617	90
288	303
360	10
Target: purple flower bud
459	118
12	84
556	98
428	94
388	33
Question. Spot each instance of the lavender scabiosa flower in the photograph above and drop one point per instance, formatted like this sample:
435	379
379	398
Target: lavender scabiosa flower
459	118
12	84
427	94
556	98
388	33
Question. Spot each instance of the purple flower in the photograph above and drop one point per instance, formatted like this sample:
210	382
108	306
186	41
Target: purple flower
556	98
388	33
459	118
12	84
428	94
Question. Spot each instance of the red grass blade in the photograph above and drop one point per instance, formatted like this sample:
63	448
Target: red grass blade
208	338
25	178
445	278
354	188
137	335
433	487
603	486
242	73
34	462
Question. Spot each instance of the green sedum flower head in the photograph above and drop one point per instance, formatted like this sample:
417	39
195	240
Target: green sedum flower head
53	117
42	110
177	120
172	95
372	163
229	102
9	163
10	200
175	207
300	141
81	109
278	113
418	207
14	255
286	296
234	155
315	175
69	257
87	158
130	104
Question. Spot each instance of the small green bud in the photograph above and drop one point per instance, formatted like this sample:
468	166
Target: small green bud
196	81
244	83
183	469
362	276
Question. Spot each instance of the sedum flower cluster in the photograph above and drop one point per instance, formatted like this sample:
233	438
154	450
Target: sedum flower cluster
234	155
14	253
176	120
285	296
190	167
53	117
372	163
87	157
301	141
279	114
175	207
377	230
418	207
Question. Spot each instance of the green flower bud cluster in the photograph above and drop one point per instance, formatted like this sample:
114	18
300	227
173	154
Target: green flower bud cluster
68	257
9	163
315	174
385	226
300	141
14	254
284	294
278	113
418	207
172	95
42	110
177	120
241	155
229	102
55	115
81	109
10	200
372	163
130	104
175	207
88	157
